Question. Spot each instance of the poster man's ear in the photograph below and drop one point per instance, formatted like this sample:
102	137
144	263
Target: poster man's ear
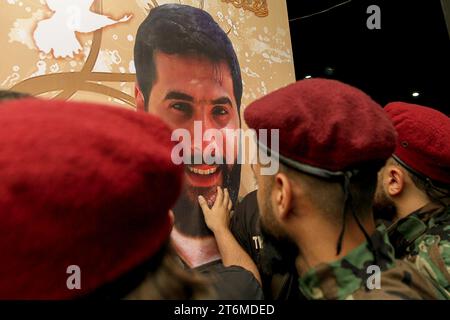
139	97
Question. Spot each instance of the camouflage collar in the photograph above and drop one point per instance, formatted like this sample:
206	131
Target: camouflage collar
404	232
341	278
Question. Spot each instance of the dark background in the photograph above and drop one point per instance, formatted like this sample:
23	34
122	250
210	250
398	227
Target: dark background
409	54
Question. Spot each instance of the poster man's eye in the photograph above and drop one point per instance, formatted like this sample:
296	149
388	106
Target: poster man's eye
182	107
219	111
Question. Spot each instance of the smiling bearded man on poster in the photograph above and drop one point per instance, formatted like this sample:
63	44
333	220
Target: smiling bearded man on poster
189	75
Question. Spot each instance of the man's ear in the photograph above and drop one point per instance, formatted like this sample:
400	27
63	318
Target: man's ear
394	180
139	97
282	195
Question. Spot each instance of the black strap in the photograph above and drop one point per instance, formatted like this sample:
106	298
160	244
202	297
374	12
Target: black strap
348	203
438	186
347	194
306	168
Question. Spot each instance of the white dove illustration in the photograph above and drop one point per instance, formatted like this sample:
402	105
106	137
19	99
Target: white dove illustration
57	33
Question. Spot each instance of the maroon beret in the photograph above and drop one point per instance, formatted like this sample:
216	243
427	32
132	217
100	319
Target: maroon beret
423	139
80	184
325	124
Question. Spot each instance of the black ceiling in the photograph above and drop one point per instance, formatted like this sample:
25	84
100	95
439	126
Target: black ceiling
411	52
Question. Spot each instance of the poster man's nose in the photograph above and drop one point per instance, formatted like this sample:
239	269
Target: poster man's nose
199	147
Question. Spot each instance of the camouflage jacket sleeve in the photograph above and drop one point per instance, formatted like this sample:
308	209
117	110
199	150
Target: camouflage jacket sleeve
423	238
367	274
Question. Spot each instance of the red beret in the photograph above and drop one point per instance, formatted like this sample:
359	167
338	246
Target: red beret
80	184
325	124
423	139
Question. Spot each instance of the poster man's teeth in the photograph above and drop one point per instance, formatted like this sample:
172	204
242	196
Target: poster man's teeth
202	172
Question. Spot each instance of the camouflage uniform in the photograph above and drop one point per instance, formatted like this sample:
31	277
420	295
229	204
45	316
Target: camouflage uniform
423	238
347	278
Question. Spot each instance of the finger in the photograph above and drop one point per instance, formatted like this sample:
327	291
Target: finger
226	197
219	197
230	205
203	204
171	216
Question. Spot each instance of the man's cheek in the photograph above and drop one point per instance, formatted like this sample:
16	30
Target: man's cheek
167	115
173	120
156	110
230	145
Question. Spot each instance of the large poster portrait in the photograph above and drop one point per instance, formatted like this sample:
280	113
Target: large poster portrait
196	64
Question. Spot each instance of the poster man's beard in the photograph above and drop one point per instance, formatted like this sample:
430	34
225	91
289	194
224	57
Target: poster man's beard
189	219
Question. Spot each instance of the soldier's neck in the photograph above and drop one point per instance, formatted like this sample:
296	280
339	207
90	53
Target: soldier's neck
410	203
318	242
